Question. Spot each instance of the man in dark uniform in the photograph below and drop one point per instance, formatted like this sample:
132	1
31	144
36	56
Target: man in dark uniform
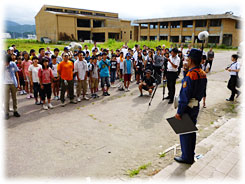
191	93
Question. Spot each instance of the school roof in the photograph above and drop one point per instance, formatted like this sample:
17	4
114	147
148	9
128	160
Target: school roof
227	15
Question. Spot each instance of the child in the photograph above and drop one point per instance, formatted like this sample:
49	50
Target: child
25	65
90	70
56	79
127	71
104	66
45	76
94	74
139	67
34	79
113	70
205	67
21	77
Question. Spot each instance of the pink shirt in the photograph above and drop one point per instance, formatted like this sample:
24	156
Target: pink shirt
26	65
45	75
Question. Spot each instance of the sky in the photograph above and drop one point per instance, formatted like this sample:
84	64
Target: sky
24	11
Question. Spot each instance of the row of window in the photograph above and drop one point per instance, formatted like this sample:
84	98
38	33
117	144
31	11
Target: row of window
87	23
75	12
187	24
227	39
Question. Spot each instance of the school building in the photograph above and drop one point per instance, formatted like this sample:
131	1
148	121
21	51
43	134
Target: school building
63	23
223	29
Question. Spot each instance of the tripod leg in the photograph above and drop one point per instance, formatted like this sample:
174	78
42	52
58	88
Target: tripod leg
152	96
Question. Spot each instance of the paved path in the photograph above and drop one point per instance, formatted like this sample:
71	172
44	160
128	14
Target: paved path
222	162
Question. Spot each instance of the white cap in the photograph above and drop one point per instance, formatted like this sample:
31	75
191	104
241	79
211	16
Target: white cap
11	48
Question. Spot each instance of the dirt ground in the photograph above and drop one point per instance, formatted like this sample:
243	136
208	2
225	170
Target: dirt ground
106	137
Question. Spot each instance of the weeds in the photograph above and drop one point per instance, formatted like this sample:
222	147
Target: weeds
134	172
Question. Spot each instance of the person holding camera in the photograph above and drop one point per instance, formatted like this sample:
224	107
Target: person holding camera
234	69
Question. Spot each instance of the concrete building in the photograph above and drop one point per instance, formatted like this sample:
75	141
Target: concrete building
223	29
62	23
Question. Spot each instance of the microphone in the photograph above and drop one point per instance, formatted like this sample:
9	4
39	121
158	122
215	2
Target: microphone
203	35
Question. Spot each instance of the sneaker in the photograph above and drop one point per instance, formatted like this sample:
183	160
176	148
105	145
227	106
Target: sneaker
141	95
37	103
229	100
63	104
50	106
97	96
54	98
79	99
73	102
57	98
16	114
108	94
31	95
85	98
45	107
21	93
24	92
28	96
126	89
104	94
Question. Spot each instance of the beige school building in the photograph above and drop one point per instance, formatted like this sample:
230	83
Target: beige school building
63	23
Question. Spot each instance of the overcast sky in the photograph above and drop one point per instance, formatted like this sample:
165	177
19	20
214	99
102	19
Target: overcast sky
24	11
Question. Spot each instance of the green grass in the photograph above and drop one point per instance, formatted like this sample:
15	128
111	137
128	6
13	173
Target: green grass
27	45
162	155
134	172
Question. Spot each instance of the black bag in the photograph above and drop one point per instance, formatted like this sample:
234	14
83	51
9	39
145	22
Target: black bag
238	82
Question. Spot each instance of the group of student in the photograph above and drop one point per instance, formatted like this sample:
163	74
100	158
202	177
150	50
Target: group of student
38	76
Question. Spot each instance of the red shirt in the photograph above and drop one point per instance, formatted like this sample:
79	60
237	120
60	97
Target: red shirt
45	75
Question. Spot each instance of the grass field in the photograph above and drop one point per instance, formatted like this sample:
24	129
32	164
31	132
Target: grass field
27	45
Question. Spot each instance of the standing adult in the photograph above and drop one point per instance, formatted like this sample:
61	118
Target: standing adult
234	68
65	70
191	93
210	56
158	63
172	69
11	82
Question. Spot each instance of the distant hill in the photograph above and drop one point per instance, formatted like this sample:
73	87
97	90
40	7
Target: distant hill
17	30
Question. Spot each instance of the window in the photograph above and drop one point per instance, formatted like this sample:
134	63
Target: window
213	39
54	9
215	22
175	24
71	11
153	38
163	38
153	26
98	23
83	23
163	25
85	13
188	23
186	39
201	23
174	38
143	26
131	35
238	24
143	38
100	14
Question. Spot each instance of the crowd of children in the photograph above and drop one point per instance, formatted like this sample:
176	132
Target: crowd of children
52	72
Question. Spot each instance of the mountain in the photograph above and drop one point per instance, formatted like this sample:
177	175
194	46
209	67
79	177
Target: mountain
17	30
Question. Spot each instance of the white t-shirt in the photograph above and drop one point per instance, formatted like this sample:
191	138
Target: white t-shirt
175	60
234	66
86	51
54	70
120	63
34	71
95	72
81	67
205	68
125	51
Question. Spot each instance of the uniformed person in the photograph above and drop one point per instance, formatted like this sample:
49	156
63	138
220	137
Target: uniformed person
191	93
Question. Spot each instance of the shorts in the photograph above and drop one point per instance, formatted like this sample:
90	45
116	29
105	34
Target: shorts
22	81
105	80
94	82
55	80
46	91
127	77
144	87
27	79
138	72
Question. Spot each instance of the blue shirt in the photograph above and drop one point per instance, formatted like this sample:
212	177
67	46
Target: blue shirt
128	62
104	68
12	69
193	86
